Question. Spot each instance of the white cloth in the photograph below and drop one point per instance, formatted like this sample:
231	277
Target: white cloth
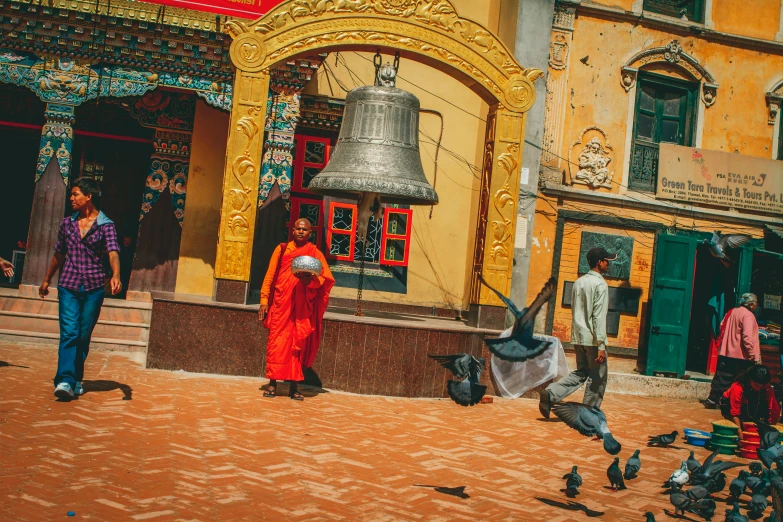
516	378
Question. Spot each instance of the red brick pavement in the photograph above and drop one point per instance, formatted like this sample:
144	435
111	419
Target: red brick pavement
204	448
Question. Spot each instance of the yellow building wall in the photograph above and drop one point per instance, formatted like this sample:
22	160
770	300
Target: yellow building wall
542	256
195	274
441	249
757	18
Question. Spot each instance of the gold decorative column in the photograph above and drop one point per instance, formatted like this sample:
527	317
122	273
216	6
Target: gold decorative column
243	156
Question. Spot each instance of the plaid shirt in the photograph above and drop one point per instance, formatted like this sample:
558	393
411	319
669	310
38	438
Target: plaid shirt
84	255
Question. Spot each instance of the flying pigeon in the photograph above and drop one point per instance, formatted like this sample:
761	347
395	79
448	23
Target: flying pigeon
632	466
692	463
757	506
678	478
588	421
719	243
615	475
649	517
663	440
573	481
520	345
467	391
737	486
734	515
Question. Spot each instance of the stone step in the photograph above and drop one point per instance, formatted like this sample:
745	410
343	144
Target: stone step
49	339
28	322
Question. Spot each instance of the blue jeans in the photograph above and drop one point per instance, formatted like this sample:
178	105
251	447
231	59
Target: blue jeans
79	311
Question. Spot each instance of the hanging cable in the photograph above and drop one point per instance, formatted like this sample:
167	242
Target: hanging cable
437	148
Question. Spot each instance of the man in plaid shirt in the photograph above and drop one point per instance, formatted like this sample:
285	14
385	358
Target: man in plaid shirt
84	240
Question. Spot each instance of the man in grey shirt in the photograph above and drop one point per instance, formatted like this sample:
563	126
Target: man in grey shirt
589	304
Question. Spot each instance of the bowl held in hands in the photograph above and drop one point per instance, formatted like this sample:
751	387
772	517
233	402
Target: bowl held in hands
306	264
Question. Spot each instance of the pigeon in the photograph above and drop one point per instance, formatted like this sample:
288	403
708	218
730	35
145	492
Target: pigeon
711	469
734	515
755	468
757	506
573	481
662	440
632	466
588	421
615	475
692	463
680	502
756	485
769	436
468	391
697	493
718	244
649	517
737	486
777	494
679	478
716	483
704	508
769	455
520	345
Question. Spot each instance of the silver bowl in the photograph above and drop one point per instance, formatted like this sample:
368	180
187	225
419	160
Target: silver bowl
306	264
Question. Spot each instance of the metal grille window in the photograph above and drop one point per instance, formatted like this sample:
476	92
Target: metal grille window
664	114
692	10
313	211
341	231
311	156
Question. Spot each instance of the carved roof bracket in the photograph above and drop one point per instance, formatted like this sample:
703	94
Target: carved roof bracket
774	99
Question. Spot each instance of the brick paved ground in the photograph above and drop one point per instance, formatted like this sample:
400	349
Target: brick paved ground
204	448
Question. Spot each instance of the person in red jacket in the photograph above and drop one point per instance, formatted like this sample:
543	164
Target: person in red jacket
750	398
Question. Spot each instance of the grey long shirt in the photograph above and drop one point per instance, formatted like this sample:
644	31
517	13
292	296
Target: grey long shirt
590	302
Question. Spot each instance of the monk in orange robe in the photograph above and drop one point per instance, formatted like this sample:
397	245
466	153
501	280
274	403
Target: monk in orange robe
292	308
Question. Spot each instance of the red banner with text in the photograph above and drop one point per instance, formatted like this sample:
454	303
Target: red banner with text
239	8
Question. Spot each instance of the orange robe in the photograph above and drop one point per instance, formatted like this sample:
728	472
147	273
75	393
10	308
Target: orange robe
295	317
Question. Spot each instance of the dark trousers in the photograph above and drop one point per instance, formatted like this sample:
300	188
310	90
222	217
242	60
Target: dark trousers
727	371
79	311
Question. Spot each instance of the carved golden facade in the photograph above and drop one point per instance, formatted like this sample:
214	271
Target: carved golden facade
429	31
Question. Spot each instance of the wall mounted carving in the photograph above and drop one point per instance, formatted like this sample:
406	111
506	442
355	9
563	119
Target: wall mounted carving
431	29
671	53
589	159
774	99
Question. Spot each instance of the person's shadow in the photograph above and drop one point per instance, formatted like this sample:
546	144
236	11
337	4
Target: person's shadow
106	386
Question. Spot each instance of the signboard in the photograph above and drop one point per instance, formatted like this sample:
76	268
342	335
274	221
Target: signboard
688	174
239	8
772	302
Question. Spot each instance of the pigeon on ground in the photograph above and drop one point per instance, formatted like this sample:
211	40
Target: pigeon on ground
757	506
632	466
697	493
769	455
769	436
756	485
734	515
692	463
467	391
615	475
777	494
704	508
755	468
588	421
573	482
718	244
520	345
679	478
737	486
711	469
662	440
649	517
716	483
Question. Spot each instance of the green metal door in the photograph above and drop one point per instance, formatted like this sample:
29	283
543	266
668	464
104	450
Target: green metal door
671	304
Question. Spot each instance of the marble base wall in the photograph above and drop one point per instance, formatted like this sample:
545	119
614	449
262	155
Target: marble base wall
355	356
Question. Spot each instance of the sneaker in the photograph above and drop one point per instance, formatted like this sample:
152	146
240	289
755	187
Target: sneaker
63	391
710	404
78	389
545	403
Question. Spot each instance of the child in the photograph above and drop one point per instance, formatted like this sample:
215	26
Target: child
751	398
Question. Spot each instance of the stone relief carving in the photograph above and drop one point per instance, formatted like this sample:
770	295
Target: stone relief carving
774	100
558	52
593	154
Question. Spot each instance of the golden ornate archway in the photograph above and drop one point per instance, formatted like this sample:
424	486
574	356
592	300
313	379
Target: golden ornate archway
428	31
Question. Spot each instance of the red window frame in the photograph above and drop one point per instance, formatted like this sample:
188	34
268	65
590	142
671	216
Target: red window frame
332	231
299	160
296	204
386	236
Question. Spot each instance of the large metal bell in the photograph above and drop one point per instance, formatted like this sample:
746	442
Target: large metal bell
378	150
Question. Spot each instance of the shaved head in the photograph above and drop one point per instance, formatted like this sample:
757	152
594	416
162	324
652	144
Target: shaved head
303	223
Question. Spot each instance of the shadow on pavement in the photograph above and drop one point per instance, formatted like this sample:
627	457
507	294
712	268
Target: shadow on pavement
105	386
571	506
3	363
458	492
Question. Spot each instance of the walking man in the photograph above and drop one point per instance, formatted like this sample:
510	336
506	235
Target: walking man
589	304
83	242
739	347
292	308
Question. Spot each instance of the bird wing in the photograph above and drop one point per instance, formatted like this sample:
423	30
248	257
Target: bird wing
721	466
476	367
465	393
733	240
577	416
530	313
506	301
458	364
517	348
705	468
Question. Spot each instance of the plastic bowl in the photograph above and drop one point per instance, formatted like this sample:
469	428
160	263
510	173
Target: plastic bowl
748	454
750	445
725	427
691	431
725	449
749	436
750	427
697	439
719	438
